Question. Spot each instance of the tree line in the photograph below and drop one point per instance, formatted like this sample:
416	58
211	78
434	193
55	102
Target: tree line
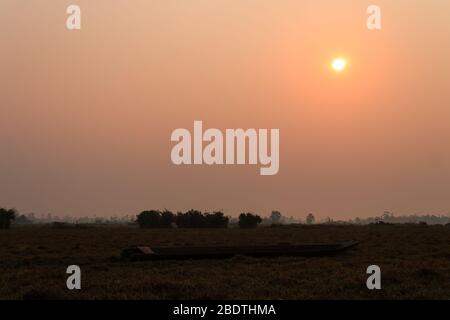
160	219
193	219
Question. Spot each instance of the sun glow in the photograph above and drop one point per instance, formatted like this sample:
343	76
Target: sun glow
339	64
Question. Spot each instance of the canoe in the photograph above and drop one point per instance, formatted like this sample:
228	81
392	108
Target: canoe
222	252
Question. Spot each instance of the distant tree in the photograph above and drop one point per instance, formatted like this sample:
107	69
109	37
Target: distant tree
275	217
249	220
6	216
181	220
167	218
149	219
216	220
190	219
310	219
196	219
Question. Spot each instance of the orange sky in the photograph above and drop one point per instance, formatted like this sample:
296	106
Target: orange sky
87	115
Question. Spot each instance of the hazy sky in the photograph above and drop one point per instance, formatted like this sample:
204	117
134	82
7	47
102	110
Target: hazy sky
86	116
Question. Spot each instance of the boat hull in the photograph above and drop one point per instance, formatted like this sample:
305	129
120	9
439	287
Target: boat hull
223	252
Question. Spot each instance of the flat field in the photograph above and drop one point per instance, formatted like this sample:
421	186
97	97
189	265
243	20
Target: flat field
414	261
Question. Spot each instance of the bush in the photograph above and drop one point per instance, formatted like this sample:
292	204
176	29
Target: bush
216	220
190	219
167	218
6	216
149	219
276	217
249	220
310	219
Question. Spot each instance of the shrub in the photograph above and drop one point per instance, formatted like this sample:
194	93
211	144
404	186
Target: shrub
249	220
310	219
149	219
167	218
6	216
276	217
190	219
216	220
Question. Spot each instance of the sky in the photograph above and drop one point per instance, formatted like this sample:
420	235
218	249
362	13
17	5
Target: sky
87	115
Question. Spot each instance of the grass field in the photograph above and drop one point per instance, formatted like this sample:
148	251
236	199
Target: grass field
414	260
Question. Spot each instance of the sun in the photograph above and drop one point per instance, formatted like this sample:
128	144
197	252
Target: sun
339	64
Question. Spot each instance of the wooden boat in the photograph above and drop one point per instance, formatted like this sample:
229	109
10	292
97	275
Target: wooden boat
222	252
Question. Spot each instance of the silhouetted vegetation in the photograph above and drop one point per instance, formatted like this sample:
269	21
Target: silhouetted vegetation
6	216
189	219
249	220
310	219
216	220
276	217
389	217
167	218
149	219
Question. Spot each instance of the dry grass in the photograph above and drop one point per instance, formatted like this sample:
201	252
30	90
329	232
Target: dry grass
415	263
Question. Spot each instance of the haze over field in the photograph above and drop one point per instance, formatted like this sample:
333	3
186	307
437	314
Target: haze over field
87	115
